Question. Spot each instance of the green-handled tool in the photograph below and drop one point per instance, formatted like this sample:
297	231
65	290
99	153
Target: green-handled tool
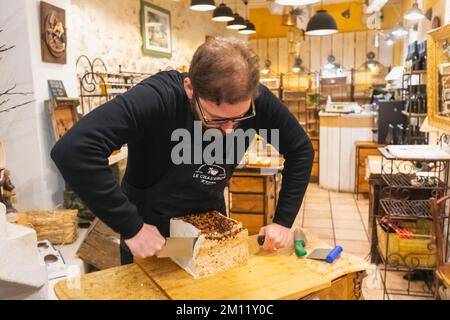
300	242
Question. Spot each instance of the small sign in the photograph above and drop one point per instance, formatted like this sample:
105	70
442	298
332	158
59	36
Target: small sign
57	88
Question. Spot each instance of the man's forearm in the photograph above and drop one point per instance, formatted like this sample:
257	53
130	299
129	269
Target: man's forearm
94	183
296	175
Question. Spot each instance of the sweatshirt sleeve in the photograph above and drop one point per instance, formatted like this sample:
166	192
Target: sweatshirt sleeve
81	155
295	146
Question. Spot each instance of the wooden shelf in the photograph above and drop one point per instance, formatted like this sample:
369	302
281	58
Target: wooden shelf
416	115
415	72
333	85
116	84
294	100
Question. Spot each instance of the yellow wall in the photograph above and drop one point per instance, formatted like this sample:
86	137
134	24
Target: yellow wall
356	23
269	25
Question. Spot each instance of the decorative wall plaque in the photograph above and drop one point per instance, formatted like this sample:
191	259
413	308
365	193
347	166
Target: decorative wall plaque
53	33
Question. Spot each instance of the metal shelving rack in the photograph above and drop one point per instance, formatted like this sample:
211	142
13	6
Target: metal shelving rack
407	184
414	118
313	108
298	100
97	85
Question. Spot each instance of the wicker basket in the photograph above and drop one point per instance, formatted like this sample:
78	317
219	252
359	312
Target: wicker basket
58	227
417	252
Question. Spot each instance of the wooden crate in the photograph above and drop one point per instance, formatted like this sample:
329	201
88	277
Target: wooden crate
252	222
252	199
101	248
416	252
63	114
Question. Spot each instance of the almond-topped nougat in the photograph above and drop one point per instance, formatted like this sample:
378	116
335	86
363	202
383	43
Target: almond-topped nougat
222	243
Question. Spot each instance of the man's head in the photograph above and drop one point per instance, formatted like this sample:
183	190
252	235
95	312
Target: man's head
223	81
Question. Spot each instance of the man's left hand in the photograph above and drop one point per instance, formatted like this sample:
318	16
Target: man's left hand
276	236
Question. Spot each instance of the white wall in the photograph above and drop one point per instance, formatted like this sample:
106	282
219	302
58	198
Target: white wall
25	132
53	185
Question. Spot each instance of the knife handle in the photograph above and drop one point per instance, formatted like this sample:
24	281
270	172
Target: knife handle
124	246
334	254
261	239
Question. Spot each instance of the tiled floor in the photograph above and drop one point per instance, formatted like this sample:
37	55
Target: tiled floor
341	219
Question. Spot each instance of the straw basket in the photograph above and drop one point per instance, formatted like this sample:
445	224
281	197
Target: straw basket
58	227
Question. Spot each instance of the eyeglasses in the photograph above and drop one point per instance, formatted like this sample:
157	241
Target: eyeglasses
250	114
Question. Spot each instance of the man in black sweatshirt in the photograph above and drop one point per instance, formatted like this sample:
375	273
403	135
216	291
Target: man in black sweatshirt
222	92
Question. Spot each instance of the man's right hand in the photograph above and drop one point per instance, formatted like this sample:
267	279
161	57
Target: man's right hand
146	243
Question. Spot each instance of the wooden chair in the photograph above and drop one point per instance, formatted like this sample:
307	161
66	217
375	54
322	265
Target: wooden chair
442	266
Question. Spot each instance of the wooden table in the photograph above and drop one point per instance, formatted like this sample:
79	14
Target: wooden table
276	275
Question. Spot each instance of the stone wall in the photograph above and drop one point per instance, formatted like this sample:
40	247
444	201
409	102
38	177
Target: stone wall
110	29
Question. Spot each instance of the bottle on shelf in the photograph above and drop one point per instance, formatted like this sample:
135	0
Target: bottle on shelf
407	139
399	134
412	99
421	99
390	135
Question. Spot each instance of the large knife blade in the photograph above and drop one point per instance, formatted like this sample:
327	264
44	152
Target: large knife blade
178	247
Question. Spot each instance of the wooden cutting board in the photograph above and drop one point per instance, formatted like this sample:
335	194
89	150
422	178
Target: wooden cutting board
279	275
119	283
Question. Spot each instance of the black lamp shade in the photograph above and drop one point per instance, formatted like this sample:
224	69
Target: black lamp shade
250	29
321	24
223	13
203	5
237	24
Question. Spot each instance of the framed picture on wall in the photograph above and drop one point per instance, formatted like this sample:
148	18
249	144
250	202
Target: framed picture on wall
156	30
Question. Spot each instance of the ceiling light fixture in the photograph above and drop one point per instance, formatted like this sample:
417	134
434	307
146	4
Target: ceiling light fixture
202	5
266	68
287	19
414	13
298	66
223	13
371	63
237	24
389	40
330	63
321	24
250	28
346	14
399	31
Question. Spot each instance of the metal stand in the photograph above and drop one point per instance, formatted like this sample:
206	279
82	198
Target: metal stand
406	188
